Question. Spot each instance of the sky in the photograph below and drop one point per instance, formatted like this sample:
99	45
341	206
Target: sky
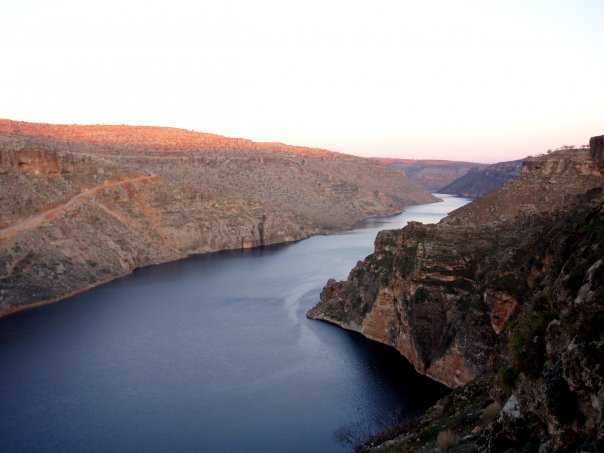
481	80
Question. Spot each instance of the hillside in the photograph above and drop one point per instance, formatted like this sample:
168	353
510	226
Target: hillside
481	180
510	285
148	140
81	205
431	174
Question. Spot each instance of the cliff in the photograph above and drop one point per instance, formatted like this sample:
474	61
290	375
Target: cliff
478	181
432	174
81	205
510	284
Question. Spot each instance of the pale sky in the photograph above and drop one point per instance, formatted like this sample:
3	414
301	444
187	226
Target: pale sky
464	80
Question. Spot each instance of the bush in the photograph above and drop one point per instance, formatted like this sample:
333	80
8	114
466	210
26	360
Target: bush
506	377
421	295
527	343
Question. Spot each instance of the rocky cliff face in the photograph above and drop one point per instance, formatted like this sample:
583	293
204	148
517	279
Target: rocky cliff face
83	205
510	283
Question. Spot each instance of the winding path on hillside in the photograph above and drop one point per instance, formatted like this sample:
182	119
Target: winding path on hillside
74	199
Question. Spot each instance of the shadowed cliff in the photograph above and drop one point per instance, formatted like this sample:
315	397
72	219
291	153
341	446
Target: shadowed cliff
479	181
432	174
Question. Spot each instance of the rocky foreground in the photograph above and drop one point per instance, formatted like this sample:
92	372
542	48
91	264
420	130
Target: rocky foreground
502	300
81	205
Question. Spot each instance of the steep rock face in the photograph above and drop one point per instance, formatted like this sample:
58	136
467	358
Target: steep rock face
478	181
444	294
432	292
548	392
74	214
556	346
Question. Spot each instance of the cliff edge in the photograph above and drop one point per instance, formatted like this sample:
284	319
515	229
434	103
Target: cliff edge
511	283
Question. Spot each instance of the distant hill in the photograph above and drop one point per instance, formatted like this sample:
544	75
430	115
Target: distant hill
148	140
481	180
431	174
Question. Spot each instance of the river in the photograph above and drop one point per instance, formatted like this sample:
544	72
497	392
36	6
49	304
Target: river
212	353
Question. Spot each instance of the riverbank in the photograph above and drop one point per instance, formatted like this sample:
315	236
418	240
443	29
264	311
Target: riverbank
40	218
89	204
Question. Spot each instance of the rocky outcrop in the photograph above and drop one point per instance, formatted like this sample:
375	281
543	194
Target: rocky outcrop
481	180
83	205
498	287
31	161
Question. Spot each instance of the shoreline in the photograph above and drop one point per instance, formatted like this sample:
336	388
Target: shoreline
364	335
319	232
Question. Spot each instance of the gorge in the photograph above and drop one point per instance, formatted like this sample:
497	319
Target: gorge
501	301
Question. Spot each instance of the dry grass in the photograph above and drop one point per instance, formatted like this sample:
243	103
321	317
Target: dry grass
446	440
490	412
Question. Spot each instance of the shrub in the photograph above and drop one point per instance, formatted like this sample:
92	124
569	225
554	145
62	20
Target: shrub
421	295
506	377
527	344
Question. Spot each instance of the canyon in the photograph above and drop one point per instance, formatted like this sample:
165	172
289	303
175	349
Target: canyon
82	205
502	301
464	179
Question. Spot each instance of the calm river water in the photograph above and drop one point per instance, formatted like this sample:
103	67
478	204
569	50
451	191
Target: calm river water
212	353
